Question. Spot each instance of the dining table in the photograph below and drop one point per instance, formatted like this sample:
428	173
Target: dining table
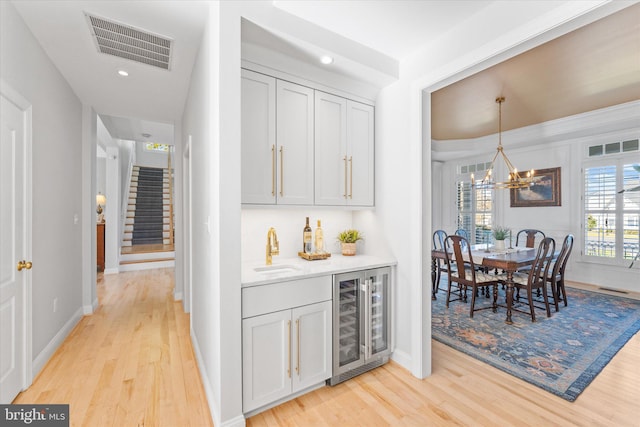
508	260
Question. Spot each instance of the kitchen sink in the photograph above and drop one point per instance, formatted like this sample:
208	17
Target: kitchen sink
273	269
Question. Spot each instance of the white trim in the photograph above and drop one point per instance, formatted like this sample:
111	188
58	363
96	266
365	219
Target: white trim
142	266
611	119
23	104
90	309
272	72
563	20
238	421
41	360
401	357
187	255
114	270
177	296
208	389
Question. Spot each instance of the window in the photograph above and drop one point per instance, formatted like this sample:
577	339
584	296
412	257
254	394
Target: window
612	210
154	146
475	211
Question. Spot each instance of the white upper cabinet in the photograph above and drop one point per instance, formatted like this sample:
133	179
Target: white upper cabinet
360	152
344	152
331	160
304	147
258	138
294	134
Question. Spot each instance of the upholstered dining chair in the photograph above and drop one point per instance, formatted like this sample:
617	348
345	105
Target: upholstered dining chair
439	237
536	277
463	272
556	275
528	237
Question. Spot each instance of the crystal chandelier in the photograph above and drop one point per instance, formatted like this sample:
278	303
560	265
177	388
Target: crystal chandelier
515	180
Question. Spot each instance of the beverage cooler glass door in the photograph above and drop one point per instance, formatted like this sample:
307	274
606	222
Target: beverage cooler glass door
348	329
379	324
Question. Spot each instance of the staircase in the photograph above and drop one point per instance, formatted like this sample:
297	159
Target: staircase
148	240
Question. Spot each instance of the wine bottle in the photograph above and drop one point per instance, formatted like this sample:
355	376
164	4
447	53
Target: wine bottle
306	238
319	239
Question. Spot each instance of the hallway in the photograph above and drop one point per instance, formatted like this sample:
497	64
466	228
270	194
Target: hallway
130	363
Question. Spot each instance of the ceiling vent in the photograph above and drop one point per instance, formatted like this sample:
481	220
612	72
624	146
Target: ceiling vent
130	43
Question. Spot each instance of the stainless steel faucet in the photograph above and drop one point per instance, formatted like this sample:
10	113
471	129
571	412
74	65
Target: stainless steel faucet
273	247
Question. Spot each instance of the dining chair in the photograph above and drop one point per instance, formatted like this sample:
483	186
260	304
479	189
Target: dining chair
536	277
439	237
462	232
530	235
556	275
463	272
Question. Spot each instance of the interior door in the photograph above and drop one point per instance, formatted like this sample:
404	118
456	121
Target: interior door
12	250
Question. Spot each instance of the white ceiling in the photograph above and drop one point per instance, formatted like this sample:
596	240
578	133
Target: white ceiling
130	106
149	94
396	28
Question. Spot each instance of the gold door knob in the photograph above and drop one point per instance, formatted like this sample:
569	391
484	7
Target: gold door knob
24	265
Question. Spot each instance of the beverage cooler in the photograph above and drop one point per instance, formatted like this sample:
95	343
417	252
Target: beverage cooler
361	322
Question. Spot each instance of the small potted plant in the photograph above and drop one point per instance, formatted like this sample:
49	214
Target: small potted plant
500	234
348	239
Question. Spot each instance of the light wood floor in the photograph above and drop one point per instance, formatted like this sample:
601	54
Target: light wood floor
131	364
463	391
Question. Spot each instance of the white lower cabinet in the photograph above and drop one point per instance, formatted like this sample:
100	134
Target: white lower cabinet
285	351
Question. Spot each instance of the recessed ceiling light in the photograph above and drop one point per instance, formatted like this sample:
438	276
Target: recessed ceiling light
123	73
326	60
146	135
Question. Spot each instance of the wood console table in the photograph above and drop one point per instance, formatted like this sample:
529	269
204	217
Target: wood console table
100	240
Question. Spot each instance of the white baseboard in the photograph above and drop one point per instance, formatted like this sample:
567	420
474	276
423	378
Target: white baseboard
90	309
238	421
46	354
177	296
146	266
208	390
401	358
111	270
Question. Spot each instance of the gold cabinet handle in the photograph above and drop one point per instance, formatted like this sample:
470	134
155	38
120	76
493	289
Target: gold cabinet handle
26	265
281	171
273	170
289	349
345	177
351	177
298	347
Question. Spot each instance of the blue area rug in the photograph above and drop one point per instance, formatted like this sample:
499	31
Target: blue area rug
561	354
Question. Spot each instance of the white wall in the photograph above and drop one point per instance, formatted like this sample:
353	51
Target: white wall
101	173
112	212
57	182
196	121
150	159
212	117
289	223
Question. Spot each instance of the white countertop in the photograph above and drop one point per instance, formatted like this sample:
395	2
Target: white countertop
300	268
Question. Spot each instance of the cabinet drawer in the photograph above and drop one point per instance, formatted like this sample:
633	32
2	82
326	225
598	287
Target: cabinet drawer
284	295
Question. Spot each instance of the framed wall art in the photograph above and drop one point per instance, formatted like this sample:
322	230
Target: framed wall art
545	190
